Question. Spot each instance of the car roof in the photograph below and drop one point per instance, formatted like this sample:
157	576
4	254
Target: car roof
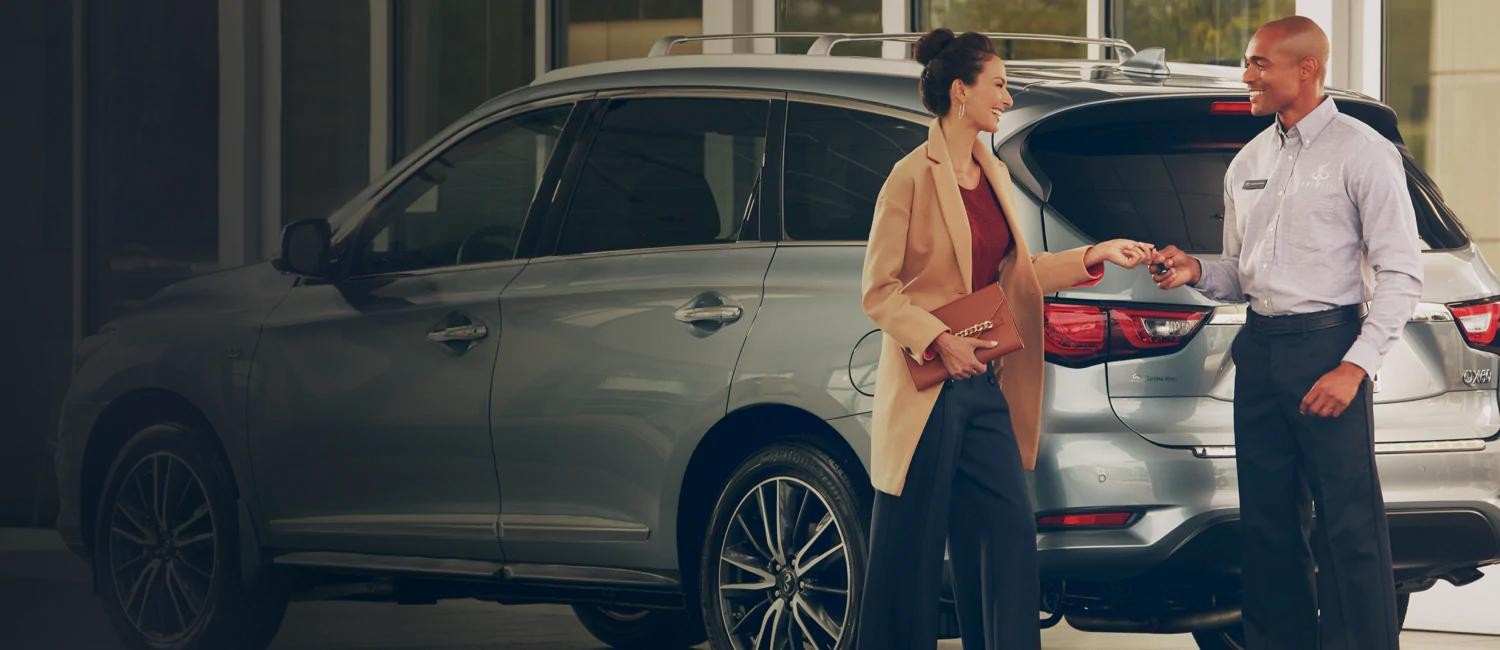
1037	84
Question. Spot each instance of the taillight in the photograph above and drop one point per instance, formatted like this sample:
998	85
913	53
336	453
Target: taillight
1479	322
1075	335
1085	520
1079	335
1229	108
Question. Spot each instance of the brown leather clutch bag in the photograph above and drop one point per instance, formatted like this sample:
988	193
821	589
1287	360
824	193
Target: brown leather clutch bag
984	314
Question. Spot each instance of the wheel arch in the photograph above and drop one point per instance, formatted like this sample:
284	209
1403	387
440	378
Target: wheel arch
117	423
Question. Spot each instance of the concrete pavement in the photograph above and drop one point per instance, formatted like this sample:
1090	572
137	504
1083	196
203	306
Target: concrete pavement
45	604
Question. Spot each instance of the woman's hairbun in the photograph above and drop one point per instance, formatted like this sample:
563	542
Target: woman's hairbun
946	57
932	44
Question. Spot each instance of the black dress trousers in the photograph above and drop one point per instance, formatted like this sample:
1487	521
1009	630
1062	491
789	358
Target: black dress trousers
1328	585
965	486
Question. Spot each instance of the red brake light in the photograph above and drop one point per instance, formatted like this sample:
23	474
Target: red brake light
1086	520
1079	335
1229	108
1479	323
1075	335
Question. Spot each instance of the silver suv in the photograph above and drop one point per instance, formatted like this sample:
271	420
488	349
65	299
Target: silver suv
600	343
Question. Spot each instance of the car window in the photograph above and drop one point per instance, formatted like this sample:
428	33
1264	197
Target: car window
668	172
1164	182
837	159
1156	181
468	204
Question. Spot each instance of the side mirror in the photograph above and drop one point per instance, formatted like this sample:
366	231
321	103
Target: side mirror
305	247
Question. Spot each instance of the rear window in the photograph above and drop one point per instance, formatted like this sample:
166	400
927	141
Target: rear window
1160	177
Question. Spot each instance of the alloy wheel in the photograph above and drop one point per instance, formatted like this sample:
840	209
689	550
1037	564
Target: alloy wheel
161	547
784	572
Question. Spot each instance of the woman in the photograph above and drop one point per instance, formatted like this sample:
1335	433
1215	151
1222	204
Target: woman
948	462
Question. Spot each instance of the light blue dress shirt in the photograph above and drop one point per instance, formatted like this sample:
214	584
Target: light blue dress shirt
1318	217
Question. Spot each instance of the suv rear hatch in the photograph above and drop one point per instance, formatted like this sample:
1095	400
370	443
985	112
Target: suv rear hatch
1152	169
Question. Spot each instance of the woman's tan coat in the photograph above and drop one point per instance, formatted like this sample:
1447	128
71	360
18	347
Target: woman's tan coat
918	259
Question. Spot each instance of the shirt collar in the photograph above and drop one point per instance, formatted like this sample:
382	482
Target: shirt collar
1312	124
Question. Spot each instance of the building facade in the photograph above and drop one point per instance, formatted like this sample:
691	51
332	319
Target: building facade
161	139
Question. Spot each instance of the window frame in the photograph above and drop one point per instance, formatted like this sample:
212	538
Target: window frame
348	246
550	231
917	118
1443	215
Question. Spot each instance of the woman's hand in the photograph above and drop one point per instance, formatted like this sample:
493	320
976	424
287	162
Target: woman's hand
1124	253
957	354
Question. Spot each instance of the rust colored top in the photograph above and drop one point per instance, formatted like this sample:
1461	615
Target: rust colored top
990	233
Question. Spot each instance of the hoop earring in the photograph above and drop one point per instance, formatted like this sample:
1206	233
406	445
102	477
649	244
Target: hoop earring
961	109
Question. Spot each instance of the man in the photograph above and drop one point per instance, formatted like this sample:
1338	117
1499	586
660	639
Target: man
1315	211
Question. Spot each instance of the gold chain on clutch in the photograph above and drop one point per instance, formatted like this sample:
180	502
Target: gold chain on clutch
976	328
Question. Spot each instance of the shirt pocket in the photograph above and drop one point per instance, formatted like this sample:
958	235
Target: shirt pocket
1317	220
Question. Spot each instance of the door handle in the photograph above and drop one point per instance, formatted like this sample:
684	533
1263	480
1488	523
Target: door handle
714	314
459	333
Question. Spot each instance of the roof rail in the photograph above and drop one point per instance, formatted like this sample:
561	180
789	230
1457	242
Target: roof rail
663	45
824	45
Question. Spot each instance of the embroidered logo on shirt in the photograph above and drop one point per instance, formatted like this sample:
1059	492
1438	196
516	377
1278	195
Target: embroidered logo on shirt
1319	175
1255	184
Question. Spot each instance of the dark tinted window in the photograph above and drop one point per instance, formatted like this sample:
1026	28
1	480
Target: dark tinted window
1154	182
836	161
668	172
1163	182
468	204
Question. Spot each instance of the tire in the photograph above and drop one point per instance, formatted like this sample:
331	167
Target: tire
184	590
1233	638
812	566
640	629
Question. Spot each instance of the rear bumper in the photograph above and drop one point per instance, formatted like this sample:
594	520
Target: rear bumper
1431	541
1443	509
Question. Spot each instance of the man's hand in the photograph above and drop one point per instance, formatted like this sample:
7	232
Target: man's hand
957	354
1172	268
1333	392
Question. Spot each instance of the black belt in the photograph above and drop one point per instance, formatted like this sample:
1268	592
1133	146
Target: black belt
1298	323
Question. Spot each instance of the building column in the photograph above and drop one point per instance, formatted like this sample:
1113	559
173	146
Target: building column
739	17
543	38
1354	35
1462	137
79	182
719	17
269	133
1095	27
240	73
895	18
382	74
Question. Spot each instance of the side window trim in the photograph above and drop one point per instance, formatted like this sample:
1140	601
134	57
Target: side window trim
772	223
547	191
358	234
549	230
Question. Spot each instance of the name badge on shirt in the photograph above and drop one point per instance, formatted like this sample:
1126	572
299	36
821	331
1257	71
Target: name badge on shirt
1255	185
